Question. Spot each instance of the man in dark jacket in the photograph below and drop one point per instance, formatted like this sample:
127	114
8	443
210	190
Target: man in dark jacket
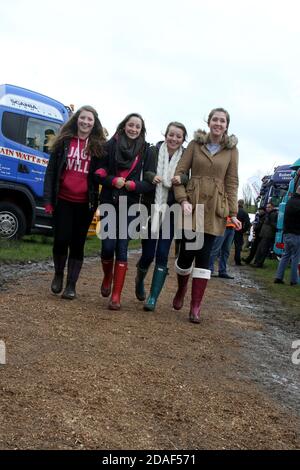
243	217
291	239
257	225
267	235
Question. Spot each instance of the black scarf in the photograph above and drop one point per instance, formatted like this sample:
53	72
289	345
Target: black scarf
127	149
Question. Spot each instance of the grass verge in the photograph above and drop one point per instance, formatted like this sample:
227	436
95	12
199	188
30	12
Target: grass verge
39	248
288	295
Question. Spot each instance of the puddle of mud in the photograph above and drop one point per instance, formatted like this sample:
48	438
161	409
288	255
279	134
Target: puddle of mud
20	271
268	350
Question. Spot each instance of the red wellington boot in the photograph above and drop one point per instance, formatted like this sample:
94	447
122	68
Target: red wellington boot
118	283
182	280
107	266
199	283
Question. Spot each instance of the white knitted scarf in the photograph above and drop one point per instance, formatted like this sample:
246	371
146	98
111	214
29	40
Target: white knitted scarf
166	169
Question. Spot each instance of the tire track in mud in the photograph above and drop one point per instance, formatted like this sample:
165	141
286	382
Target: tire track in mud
268	349
235	368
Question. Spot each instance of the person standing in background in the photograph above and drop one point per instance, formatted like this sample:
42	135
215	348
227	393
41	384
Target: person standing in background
221	250
291	239
257	225
243	217
267	235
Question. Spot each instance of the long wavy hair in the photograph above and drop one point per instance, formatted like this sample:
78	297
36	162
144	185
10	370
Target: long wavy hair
69	130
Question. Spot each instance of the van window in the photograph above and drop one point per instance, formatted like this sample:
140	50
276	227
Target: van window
39	134
277	195
13	126
32	132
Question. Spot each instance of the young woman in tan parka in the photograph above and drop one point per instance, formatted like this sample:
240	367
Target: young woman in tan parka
212	159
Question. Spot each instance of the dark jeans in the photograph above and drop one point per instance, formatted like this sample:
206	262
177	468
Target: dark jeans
71	224
238	246
263	250
201	256
116	243
157	248
253	249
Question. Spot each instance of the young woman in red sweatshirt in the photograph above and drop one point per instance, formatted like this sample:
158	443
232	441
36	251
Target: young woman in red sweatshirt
71	193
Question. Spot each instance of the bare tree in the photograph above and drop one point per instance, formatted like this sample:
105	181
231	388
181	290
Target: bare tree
247	195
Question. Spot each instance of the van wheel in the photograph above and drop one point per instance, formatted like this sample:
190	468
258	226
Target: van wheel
12	221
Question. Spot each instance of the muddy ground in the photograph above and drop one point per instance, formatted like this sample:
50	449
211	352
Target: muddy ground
79	376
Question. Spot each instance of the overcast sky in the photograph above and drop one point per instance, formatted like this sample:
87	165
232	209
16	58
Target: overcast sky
168	60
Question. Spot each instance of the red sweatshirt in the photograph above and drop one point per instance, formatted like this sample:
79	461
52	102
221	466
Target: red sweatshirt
74	179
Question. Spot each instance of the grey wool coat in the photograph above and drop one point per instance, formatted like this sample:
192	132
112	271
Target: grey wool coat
213	182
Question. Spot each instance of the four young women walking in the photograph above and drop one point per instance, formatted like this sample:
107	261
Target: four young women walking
127	167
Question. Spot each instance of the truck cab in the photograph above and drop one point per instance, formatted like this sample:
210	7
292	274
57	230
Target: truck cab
274	187
28	123
293	185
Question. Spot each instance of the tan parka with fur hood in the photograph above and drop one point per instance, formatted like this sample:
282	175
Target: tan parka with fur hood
213	182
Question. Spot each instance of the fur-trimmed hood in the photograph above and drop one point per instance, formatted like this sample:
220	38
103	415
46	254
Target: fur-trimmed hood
228	141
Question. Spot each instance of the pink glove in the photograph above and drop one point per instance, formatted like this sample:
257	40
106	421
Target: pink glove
101	172
118	182
114	181
130	185
49	209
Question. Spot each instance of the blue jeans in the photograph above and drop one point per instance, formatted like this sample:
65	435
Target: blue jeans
221	248
291	252
156	248
117	243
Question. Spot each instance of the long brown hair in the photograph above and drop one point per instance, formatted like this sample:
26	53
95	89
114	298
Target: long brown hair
180	126
219	110
122	124
69	129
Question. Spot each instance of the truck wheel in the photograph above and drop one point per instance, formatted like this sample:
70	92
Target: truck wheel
12	221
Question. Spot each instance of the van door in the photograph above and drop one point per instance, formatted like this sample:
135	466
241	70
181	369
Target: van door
35	153
11	134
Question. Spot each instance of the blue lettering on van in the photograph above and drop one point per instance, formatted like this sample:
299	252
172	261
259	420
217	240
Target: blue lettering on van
30	106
